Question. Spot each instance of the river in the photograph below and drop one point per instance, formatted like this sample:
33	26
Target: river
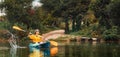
72	49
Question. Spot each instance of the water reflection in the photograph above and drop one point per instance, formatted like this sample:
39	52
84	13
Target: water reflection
36	53
53	51
43	52
72	49
92	50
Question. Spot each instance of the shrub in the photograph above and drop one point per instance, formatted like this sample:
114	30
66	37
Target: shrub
5	25
111	34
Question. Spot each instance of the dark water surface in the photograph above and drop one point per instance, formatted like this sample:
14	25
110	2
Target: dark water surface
73	49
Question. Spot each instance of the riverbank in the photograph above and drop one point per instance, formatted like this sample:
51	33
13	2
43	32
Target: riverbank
3	40
74	38
58	35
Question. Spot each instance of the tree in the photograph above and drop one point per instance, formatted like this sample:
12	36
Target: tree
19	11
47	19
99	8
66	9
114	12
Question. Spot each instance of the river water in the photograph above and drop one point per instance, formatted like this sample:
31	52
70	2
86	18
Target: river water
72	49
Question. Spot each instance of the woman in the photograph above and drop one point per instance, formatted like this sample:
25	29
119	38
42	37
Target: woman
36	37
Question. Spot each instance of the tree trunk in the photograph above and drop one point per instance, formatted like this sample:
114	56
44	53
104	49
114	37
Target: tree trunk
78	24
73	25
66	26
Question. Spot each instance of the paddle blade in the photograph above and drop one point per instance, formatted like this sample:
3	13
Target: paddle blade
17	28
53	51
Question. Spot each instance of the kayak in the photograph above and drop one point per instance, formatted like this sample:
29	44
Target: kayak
33	46
39	45
44	45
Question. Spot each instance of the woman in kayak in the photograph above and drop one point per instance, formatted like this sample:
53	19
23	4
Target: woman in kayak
36	37
37	40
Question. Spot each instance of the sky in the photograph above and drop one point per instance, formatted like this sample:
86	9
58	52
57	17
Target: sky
36	3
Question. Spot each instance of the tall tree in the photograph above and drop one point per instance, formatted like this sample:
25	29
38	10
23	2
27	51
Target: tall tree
99	7
66	9
19	11
114	12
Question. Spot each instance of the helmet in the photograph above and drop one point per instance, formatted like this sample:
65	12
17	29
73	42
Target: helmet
36	30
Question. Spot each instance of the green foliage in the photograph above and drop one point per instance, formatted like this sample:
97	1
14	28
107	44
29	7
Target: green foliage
18	11
111	34
99	8
47	19
114	12
53	13
107	11
66	9
90	31
84	32
5	25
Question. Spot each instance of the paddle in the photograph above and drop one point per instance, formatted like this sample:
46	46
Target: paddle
18	28
54	43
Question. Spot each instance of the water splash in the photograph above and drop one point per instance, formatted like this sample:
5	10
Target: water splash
12	41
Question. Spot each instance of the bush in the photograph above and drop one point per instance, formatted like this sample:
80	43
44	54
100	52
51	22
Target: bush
84	32
111	34
5	25
90	31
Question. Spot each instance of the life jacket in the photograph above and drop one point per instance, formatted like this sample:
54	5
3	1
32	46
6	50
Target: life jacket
35	38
